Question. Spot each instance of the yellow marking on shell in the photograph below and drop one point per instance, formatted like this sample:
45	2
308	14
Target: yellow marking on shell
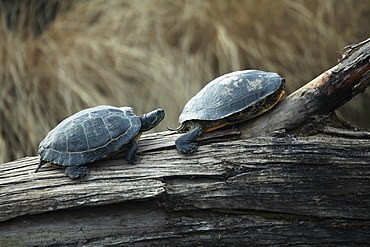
56	165
281	96
214	128
278	99
137	137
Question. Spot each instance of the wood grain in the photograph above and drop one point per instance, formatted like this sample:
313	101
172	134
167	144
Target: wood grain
310	189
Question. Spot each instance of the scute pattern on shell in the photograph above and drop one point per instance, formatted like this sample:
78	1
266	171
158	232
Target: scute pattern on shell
90	135
229	94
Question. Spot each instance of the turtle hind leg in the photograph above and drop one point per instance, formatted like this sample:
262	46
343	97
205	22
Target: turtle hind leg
186	143
77	171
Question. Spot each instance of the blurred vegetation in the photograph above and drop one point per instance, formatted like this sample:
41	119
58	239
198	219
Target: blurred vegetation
58	57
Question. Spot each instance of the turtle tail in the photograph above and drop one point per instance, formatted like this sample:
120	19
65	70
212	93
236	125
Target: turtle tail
181	129
177	129
42	162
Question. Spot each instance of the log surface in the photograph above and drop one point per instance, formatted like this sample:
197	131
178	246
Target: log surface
259	191
276	189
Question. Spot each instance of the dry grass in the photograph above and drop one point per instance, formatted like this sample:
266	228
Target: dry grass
158	53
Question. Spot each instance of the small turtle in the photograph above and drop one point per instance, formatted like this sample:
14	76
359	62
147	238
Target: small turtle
228	99
95	133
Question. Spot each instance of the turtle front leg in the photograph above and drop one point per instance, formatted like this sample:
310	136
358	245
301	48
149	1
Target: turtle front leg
131	152
186	143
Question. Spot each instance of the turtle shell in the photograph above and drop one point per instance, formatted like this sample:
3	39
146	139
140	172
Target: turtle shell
89	135
231	93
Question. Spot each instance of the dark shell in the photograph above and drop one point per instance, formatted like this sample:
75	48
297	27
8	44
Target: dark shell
231	93
89	135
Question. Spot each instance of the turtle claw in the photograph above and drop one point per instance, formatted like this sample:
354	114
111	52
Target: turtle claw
186	143
133	159
187	147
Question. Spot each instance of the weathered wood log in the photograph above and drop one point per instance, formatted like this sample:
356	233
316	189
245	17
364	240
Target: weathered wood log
274	189
266	190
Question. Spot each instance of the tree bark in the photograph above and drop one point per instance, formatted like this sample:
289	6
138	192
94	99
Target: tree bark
258	183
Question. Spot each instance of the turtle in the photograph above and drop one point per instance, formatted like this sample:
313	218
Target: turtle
229	99
93	134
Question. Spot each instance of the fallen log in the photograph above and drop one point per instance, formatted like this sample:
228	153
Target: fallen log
270	181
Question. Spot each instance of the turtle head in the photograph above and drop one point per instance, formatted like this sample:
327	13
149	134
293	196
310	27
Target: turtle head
151	119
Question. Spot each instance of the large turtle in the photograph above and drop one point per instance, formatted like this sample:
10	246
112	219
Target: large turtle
228	99
95	133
